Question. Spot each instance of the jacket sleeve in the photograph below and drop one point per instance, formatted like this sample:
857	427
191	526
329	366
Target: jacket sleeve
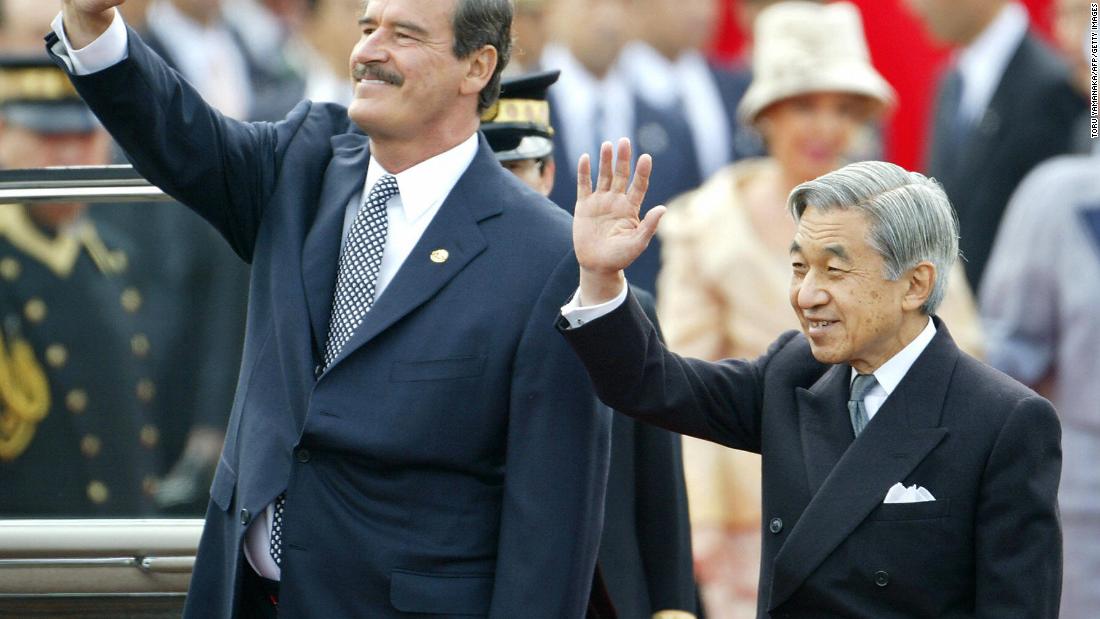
558	447
635	374
1018	543
222	168
664	532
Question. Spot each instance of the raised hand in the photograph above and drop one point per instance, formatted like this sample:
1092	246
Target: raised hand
608	234
85	20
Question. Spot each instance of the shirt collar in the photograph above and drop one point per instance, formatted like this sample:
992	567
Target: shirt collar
992	50
427	183
889	374
651	74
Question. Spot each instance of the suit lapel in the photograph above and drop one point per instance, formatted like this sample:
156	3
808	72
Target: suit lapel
454	230
825	428
896	440
344	177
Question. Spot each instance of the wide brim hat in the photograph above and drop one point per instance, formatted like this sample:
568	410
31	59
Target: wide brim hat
804	47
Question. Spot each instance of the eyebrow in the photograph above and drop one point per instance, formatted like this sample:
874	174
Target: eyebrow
834	249
838	251
401	25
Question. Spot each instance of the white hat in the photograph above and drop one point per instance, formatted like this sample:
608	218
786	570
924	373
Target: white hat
805	47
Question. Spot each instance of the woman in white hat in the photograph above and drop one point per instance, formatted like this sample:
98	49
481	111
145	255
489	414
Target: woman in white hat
726	269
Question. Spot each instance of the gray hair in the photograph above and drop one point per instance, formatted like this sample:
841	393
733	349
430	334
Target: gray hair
478	23
911	218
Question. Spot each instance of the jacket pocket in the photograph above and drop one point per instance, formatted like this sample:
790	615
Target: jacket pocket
437	369
221	489
924	510
447	594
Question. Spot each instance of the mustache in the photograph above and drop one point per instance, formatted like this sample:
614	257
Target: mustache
375	72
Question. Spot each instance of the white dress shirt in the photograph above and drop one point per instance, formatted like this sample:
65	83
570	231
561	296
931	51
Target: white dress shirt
688	83
982	63
888	375
576	96
423	188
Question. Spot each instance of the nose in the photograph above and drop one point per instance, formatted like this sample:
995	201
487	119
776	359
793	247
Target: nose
810	294
370	48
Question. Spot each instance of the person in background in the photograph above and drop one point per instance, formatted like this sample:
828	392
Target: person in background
1005	104
667	69
1072	29
189	372
531	31
1039	303
725	275
79	429
645	547
594	101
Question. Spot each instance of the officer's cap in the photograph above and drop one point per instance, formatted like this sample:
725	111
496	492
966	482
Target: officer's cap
36	94
518	125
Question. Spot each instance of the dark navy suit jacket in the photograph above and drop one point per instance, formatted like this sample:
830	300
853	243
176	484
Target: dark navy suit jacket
452	459
1029	119
983	445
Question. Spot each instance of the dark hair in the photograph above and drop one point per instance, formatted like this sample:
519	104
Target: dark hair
478	23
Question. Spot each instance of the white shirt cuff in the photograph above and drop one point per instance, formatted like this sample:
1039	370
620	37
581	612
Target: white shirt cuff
577	315
106	51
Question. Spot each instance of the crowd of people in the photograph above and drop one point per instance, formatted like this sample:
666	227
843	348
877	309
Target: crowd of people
123	325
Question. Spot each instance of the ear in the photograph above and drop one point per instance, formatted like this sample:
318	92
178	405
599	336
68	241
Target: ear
920	280
480	67
547	179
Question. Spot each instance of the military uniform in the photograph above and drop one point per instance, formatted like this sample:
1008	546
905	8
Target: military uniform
78	428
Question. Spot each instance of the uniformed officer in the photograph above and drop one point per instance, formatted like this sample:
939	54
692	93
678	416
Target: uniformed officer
645	549
79	432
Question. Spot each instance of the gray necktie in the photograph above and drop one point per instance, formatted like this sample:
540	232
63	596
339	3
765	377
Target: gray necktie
863	384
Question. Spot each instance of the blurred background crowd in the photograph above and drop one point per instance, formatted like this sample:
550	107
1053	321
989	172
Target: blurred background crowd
122	324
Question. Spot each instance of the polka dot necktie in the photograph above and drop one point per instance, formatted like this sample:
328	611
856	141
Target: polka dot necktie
861	386
359	264
356	280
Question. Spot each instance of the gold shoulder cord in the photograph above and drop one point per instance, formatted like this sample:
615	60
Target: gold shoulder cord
24	397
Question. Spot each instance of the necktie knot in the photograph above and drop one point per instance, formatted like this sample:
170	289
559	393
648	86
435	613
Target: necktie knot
856	408
862	384
384	189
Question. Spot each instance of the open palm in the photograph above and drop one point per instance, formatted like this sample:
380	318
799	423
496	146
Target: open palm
608	234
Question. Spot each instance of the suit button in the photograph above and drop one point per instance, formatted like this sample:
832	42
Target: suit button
318	370
882	578
776	525
245	517
303	455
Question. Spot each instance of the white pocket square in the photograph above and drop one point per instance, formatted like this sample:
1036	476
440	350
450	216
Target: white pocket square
913	494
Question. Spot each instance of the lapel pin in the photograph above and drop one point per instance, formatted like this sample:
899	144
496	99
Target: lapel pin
440	256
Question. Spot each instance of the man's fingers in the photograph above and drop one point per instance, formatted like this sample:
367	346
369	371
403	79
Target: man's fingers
603	178
648	226
622	167
584	177
640	184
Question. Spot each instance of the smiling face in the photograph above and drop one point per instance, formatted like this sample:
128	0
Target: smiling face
408	82
849	311
810	134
